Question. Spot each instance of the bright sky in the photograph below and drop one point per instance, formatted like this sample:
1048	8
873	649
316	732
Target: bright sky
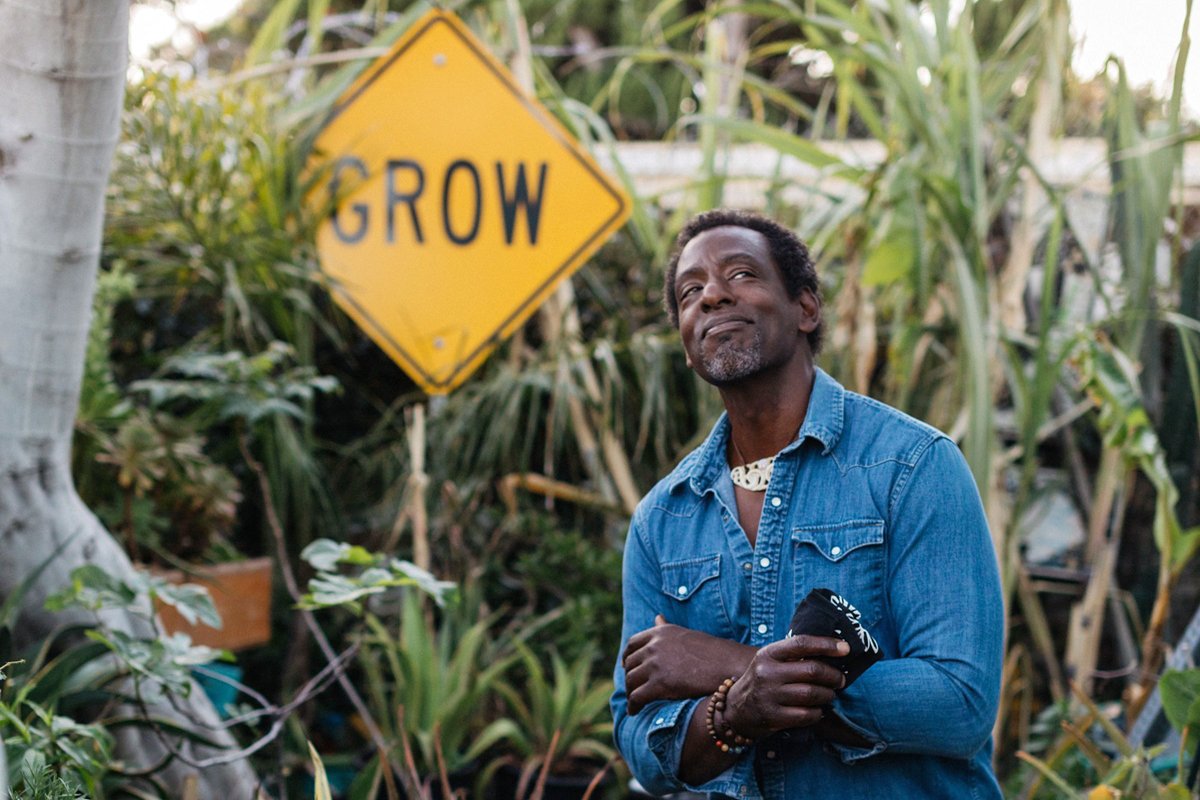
152	24
1144	33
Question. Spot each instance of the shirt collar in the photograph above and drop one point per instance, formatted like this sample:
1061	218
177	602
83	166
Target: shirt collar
825	417
823	422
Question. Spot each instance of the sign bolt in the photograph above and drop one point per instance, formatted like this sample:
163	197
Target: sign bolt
439	60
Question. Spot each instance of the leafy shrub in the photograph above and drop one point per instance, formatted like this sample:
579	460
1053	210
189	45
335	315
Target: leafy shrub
53	701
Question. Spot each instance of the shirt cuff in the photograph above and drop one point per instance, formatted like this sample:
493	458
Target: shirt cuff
665	739
849	753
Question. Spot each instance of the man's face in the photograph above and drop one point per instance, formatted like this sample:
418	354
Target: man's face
735	317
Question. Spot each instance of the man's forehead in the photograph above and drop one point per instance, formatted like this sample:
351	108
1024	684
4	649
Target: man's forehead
723	243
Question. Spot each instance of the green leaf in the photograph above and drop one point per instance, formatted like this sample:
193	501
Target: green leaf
786	143
192	601
1180	692
424	580
94	589
49	683
330	588
12	604
317	9
325	555
320	779
890	261
1049	774
167	661
1184	547
1175	791
270	37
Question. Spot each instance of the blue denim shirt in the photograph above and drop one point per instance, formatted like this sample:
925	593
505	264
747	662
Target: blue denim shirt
881	509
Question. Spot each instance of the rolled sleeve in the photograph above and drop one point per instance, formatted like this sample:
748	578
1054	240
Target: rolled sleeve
656	735
652	740
850	753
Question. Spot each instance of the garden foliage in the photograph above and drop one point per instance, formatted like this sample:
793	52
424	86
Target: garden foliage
227	403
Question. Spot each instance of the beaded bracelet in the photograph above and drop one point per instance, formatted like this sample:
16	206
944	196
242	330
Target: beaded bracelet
732	741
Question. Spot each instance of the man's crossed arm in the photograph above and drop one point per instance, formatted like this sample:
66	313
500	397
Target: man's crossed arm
781	686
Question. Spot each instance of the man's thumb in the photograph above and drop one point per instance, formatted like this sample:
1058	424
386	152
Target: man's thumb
659	619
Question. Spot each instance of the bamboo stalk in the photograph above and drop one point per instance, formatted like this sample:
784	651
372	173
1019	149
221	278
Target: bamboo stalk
1108	478
560	320
610	446
418	480
1087	619
1152	642
1015	275
604	455
521	62
547	487
855	330
1010	686
1039	628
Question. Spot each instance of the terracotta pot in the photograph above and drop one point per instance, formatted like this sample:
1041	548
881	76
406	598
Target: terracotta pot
241	591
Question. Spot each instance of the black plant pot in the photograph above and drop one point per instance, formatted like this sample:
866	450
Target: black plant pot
558	787
462	783
635	792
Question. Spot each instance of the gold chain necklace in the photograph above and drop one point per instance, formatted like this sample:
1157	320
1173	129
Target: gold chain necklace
753	477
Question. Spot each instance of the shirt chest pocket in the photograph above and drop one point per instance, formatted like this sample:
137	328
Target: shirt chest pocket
847	557
694	586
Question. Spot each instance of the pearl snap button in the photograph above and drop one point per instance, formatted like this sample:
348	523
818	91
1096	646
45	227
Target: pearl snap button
747	565
762	628
775	501
835	550
683	590
766	562
659	721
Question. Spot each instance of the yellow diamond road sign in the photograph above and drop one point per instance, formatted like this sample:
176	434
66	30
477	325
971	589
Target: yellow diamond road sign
461	203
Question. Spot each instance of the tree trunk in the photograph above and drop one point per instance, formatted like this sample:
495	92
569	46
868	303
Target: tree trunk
62	77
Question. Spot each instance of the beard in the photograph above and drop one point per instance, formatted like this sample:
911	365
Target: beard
730	361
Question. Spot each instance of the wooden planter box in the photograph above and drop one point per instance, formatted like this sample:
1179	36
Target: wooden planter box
241	591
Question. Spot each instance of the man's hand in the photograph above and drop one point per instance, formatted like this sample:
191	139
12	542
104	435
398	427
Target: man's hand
670	662
785	686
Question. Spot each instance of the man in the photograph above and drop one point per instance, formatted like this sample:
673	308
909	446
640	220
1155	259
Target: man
801	485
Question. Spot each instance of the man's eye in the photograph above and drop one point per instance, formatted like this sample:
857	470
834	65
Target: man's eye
685	291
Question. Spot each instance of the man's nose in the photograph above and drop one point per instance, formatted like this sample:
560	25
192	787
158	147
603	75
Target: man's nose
716	293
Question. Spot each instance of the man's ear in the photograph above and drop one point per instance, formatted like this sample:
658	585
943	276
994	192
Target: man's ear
810	311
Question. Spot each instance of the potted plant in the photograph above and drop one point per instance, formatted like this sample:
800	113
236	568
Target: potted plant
558	731
143	463
238	391
427	676
439	676
241	592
